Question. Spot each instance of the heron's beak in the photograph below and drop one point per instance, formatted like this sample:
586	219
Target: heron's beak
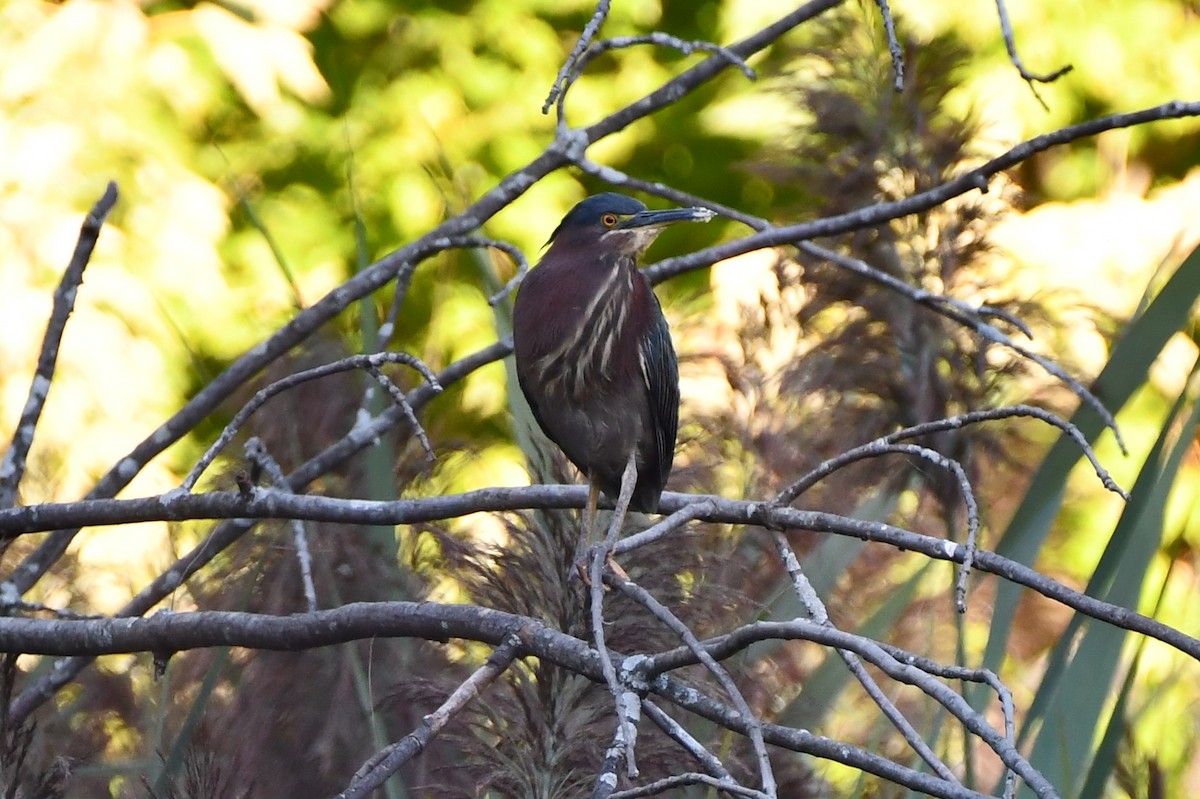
658	219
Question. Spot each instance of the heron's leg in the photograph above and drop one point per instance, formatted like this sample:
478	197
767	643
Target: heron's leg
589	514
628	483
588	536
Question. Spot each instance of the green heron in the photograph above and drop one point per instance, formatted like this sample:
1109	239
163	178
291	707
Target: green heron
593	351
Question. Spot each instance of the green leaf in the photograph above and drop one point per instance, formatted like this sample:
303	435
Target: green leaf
1076	687
1105	758
1125	372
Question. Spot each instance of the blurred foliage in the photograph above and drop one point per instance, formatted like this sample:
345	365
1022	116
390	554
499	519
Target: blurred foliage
252	139
1106	76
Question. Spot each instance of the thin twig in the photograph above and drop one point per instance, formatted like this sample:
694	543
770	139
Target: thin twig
256	452
1032	78
675	731
25	606
679	780
625	738
975	324
816	611
676	521
889	27
657	38
622	747
661	39
884	446
625	699
965	673
586	49
1008	412
293	380
514	252
823	470
664	614
12	465
227	533
397	396
585	39
388	761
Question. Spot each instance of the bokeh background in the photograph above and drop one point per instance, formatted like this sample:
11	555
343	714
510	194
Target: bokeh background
268	149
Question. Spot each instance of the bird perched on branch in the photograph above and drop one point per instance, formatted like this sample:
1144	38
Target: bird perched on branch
593	351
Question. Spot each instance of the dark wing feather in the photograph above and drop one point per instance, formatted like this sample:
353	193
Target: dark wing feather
662	380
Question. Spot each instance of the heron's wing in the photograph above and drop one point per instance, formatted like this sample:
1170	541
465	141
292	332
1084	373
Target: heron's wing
661	372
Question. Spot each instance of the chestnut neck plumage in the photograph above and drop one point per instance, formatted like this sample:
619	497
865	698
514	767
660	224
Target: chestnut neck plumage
601	302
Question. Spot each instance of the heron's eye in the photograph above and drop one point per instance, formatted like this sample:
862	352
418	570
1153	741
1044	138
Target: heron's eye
609	220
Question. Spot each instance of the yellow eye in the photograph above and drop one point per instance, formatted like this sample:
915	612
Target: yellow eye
609	220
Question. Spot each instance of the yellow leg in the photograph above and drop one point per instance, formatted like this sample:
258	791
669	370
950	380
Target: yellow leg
588	536
589	514
628	483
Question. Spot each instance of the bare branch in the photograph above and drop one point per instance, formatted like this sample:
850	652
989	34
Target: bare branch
373	360
696	76
1009	411
660	39
24	606
889	27
754	726
230	531
397	396
816	611
1010	42
522	263
388	761
257	453
885	446
366	433
585	39
675	522
167	632
578	61
680	780
625	738
12	465
276	505
675	731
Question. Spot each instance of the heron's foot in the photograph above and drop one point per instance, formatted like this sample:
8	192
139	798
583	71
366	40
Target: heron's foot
582	566
615	567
